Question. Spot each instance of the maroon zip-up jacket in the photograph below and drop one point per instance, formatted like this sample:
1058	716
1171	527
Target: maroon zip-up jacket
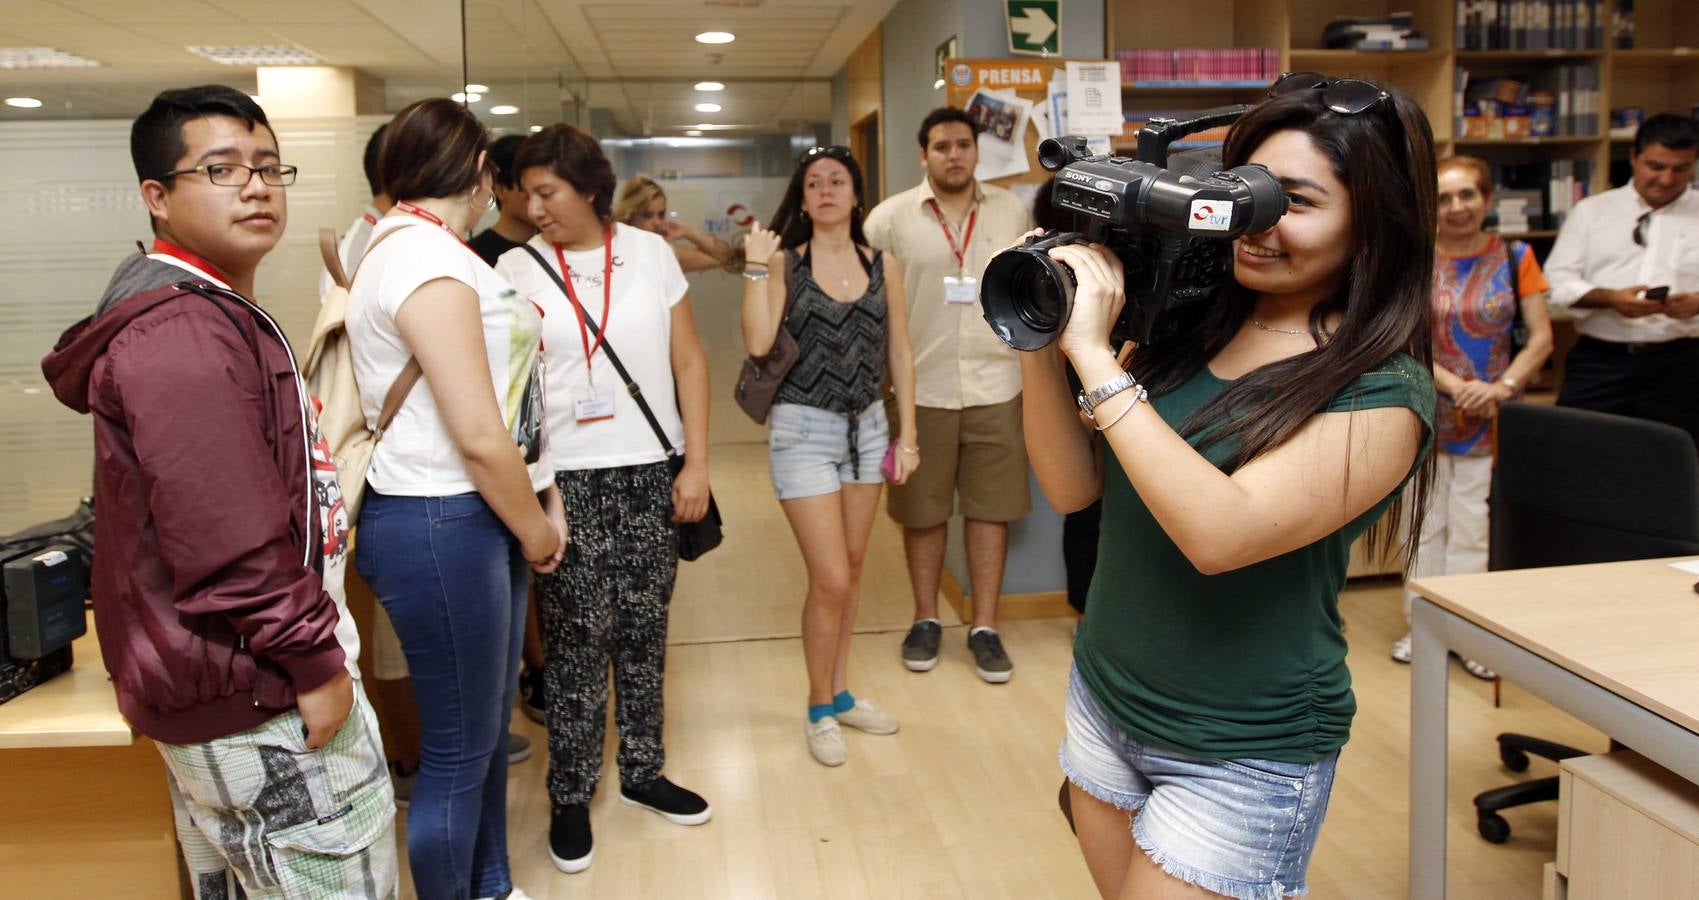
210	609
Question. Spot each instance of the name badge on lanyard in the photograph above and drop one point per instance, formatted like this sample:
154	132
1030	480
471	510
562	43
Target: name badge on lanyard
960	288
594	408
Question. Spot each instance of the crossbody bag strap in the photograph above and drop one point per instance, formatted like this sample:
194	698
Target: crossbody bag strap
608	348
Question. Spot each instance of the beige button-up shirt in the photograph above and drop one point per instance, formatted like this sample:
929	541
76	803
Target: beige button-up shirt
958	362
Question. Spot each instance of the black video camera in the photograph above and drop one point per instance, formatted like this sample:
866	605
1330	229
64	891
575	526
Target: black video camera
1170	226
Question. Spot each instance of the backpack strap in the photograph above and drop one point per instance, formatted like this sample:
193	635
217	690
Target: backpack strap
332	259
410	373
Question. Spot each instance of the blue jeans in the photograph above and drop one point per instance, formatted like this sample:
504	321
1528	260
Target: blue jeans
453	580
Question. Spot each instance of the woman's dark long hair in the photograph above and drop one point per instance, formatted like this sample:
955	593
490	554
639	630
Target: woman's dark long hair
793	225
1384	156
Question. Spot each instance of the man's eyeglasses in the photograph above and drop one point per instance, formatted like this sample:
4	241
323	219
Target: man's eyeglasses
1640	226
238	175
1346	96
836	151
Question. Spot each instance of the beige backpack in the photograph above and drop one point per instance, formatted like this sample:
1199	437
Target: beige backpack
329	371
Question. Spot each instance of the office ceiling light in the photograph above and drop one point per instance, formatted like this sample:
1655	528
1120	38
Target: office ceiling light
255	54
23	102
536	128
715	37
694	132
709	86
463	97
503	110
477	89
707	107
42	58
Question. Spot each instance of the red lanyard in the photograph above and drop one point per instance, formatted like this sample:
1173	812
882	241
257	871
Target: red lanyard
960	252
429	216
161	245
607	294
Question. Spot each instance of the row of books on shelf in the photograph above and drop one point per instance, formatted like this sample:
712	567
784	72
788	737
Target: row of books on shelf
1555	101
1236	64
1532	24
1538	196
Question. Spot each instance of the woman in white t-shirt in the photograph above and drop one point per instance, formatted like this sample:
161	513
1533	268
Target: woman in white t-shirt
608	602
459	494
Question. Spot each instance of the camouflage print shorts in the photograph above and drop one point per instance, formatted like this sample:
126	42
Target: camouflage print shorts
260	815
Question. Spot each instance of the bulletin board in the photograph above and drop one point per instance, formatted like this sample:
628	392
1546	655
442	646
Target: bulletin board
970	84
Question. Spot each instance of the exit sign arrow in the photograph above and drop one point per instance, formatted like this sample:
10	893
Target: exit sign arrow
1034	26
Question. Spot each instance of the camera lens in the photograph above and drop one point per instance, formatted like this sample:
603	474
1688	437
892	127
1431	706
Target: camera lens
1026	295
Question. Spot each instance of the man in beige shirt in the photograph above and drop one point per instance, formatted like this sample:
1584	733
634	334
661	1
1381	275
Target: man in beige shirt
967	385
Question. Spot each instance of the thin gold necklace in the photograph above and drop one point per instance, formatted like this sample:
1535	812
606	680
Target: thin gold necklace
1272	329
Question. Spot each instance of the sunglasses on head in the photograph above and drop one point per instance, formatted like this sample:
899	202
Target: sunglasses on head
1346	96
836	151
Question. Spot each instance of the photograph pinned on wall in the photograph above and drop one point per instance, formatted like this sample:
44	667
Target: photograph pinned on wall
1002	120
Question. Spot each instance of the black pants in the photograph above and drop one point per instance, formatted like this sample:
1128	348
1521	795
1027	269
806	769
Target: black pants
1660	382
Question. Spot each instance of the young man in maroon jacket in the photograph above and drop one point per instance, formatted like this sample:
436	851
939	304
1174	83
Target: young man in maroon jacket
221	537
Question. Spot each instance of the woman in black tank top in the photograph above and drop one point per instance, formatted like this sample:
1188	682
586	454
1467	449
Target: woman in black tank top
813	274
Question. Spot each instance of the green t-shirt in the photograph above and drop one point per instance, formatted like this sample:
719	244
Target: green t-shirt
1244	664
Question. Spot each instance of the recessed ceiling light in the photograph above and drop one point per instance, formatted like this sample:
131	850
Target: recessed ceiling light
536	128
710	86
42	58
694	132
23	102
463	97
707	107
256	55
503	110
477	89
715	37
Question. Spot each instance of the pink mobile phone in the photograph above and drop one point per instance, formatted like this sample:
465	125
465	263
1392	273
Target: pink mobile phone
888	467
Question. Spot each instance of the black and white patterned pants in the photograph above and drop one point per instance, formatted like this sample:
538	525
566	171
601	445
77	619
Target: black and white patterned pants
608	603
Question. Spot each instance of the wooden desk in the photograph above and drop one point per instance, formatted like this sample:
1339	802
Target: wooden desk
87	813
1616	645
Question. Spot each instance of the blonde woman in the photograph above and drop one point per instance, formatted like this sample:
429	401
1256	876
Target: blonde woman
642	204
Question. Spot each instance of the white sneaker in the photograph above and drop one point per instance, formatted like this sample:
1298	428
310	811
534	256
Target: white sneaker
1478	670
1401	650
515	894
864	716
826	742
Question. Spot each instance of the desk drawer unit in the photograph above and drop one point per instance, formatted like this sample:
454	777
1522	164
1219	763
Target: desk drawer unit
1627	830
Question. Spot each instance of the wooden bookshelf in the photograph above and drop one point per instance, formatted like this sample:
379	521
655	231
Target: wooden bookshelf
1660	74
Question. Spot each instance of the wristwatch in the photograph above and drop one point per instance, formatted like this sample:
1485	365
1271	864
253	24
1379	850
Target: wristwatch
1092	399
1509	382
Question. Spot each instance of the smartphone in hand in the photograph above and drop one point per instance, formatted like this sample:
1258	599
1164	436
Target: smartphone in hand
1660	293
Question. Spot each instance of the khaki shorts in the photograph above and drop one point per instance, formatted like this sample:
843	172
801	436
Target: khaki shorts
975	454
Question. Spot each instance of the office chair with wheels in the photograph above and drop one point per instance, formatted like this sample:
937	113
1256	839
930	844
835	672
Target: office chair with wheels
1574	487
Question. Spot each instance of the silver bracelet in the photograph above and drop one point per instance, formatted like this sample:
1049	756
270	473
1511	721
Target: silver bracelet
1139	393
756	276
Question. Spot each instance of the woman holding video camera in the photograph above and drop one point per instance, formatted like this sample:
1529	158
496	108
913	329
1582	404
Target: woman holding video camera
1209	697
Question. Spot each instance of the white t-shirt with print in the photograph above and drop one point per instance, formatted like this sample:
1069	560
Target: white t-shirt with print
416	457
647	284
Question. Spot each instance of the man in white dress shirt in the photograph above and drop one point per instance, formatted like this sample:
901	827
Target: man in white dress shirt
1627	265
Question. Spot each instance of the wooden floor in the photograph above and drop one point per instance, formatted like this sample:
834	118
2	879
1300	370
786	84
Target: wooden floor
962	801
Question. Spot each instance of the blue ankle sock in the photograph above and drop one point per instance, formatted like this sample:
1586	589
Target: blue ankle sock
816	713
844	702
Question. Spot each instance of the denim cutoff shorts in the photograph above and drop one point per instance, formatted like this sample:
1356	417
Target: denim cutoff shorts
809	451
1242	828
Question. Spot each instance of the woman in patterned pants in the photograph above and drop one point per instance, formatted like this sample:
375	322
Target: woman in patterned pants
620	293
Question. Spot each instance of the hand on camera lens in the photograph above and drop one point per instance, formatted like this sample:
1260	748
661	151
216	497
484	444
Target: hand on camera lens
1099	295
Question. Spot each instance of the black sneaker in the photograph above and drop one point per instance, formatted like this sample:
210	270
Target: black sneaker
920	648
671	802
989	656
531	699
569	838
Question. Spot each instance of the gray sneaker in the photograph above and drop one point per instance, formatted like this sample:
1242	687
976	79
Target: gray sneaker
989	657
920	648
518	748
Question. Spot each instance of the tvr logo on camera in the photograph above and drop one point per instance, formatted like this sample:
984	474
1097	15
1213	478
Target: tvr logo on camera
1212	215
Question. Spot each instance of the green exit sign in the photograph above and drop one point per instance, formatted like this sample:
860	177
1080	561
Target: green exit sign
1035	26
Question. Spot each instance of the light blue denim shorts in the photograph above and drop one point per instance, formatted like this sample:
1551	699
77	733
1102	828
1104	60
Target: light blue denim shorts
1242	828
809	450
